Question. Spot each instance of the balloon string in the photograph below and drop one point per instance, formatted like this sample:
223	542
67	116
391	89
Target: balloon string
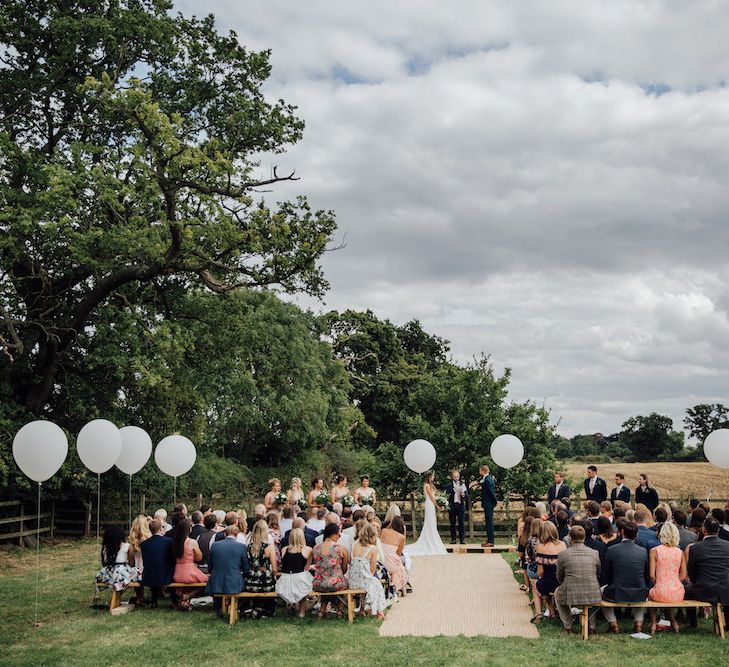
130	503
37	556
175	485
98	505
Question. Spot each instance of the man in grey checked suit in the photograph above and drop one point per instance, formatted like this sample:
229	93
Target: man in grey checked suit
578	570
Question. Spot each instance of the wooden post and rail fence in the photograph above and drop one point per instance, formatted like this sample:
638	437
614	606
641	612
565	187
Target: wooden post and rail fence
78	518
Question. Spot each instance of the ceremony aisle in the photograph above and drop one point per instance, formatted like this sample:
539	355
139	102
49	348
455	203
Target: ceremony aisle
469	594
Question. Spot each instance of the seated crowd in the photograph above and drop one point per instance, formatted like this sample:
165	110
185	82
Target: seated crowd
282	548
611	551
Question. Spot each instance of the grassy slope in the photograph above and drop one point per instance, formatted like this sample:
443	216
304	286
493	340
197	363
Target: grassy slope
74	634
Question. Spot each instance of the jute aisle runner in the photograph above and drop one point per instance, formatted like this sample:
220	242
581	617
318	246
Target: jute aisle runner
468	594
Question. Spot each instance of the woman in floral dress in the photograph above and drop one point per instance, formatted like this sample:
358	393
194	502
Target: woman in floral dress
330	560
260	578
116	570
363	572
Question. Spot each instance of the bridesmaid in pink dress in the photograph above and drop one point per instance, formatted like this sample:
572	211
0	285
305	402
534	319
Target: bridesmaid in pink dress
186	552
668	572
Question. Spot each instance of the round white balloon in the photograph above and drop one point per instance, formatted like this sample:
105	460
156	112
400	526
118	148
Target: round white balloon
419	456
716	448
507	451
99	445
175	455
136	449
39	449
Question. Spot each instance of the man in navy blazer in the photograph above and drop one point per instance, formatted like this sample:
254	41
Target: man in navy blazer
558	490
646	538
159	561
309	534
620	492
595	487
626	575
228	565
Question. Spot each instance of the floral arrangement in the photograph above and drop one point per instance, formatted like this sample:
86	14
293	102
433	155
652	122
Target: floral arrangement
280	498
302	504
322	498
365	500
347	501
442	502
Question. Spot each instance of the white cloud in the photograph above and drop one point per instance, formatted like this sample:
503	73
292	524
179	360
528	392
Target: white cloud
504	173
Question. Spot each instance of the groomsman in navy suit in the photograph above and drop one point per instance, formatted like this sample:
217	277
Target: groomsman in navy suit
620	492
595	487
558	490
488	502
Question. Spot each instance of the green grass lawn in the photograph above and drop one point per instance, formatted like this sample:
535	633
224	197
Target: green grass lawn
74	634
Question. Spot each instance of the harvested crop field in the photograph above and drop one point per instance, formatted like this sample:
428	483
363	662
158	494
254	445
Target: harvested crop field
671	480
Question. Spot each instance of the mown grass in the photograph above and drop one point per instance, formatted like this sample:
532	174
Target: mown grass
74	634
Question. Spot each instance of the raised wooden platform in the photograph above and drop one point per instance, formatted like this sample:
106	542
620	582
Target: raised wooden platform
478	549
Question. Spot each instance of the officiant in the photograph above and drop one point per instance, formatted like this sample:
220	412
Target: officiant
456	491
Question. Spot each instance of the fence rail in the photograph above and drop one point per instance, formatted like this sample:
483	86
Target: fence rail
79	520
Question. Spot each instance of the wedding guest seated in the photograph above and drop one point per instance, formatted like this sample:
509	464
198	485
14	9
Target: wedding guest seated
686	537
693	504
337	509
205	539
330	560
175	518
295	582
231	519
187	553
220	516
331	518
361	572
578	570
243	537
317	524
593	511
197	524
646	538
660	516
707	565
260	578
393	541
705	507
161	514
137	534
604	532
721	517
567	502
592	543
606	510
180	508
696	522
392	511
274	534
116	569
159	561
562	527
347	514
259	515
542	510
309	535
667	570
228	566
629	515
626	576
286	520
534	528
205	509
550	546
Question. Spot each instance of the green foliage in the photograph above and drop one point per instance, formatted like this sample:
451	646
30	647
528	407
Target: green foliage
704	418
651	438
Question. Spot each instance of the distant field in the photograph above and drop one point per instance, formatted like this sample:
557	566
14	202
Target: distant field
671	480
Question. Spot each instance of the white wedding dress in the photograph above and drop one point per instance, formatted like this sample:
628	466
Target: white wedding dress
429	542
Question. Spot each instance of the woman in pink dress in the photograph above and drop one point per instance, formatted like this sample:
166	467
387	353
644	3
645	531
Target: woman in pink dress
668	572
186	552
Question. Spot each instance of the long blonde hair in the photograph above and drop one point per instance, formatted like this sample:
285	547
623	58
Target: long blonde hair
296	541
259	536
139	532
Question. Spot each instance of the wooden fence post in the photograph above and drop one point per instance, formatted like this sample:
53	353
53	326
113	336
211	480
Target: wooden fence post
87	520
22	524
412	514
469	509
199	501
143	504
53	517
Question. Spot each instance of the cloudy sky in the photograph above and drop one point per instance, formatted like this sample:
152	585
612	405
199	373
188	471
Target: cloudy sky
543	182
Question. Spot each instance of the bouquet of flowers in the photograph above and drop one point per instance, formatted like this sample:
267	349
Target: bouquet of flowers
280	498
347	501
441	502
322	498
302	504
365	500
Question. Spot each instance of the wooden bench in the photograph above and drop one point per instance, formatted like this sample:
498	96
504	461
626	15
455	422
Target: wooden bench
719	626
230	602
477	548
116	595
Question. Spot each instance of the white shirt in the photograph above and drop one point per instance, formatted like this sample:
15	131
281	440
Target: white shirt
123	554
592	483
285	525
459	489
316	524
556	488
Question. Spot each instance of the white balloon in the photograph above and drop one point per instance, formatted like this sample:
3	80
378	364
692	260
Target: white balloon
39	449
175	455
419	456
716	448
136	449
507	451
99	445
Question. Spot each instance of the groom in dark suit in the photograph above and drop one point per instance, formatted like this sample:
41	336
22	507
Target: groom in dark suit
595	487
488	502
456	492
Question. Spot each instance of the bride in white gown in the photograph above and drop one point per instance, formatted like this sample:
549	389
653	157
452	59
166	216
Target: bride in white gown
429	542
